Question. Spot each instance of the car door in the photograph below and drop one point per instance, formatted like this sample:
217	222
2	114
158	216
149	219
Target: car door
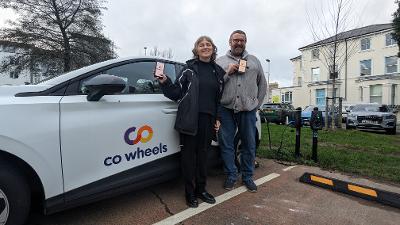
119	132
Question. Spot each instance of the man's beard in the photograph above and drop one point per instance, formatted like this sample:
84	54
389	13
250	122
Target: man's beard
238	50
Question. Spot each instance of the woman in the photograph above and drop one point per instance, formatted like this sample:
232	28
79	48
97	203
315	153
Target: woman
197	89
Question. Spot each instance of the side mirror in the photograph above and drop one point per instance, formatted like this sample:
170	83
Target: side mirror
103	84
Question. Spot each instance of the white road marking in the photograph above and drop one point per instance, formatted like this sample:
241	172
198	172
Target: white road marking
289	168
186	214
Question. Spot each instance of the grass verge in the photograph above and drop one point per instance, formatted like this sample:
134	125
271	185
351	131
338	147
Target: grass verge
369	154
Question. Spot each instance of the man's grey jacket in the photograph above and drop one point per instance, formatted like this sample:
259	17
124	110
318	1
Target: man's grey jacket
243	92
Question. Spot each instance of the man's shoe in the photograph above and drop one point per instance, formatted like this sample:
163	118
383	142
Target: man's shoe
206	197
256	164
229	184
191	201
250	185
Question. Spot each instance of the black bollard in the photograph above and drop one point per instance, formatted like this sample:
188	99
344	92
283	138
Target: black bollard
315	124
314	155
297	124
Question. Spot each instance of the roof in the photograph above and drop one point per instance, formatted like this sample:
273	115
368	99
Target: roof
296	58
353	33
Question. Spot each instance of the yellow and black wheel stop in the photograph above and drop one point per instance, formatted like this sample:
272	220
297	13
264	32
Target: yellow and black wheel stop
381	196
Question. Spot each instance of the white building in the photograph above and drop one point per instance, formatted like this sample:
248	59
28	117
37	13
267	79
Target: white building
367	66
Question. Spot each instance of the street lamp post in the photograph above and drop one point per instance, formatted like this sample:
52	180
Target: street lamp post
268	72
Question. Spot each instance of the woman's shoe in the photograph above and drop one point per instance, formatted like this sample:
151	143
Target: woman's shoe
206	197
191	201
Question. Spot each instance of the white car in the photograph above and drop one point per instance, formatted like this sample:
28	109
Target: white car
84	136
372	116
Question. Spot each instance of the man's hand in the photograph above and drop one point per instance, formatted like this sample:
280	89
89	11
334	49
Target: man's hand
217	125
232	68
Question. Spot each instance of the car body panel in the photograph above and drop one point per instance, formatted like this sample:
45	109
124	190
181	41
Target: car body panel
100	148
39	144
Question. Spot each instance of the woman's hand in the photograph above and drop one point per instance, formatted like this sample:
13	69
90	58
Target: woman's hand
217	125
161	78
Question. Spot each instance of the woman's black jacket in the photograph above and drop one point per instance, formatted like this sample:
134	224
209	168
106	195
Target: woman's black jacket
185	91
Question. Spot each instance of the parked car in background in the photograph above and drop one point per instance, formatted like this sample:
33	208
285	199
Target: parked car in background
346	108
278	113
306	114
372	116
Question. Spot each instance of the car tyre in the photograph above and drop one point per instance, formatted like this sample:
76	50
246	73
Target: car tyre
347	126
391	131
15	196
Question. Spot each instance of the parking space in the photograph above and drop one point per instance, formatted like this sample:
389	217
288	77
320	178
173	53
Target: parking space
281	200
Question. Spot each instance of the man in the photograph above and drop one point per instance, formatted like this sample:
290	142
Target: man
244	92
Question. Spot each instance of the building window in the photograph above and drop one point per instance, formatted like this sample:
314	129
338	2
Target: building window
315	74
391	64
13	75
390	40
365	44
375	93
315	53
287	97
320	97
333	73
365	67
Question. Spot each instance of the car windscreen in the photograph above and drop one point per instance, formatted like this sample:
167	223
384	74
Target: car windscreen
271	107
366	108
311	108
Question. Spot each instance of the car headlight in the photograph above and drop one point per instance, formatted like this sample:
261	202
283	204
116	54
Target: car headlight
389	117
352	117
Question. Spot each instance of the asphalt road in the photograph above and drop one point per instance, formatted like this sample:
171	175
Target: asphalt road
281	200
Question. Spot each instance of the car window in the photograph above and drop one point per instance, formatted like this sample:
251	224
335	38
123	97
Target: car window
383	108
271	106
367	108
138	77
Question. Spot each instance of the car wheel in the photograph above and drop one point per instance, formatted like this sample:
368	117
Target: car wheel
347	126
391	131
15	196
282	119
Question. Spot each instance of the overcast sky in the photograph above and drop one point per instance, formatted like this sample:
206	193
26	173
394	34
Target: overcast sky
275	28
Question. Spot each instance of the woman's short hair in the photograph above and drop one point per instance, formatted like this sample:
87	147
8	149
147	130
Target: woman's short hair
196	44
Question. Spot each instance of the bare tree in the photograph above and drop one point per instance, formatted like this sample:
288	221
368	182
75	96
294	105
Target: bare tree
396	25
168	53
55	36
333	30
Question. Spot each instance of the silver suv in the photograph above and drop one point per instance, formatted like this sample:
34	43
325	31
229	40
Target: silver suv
372	116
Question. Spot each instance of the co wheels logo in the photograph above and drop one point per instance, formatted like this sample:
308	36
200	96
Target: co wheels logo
144	135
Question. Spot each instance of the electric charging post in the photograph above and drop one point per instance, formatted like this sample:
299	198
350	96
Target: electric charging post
315	124
297	124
